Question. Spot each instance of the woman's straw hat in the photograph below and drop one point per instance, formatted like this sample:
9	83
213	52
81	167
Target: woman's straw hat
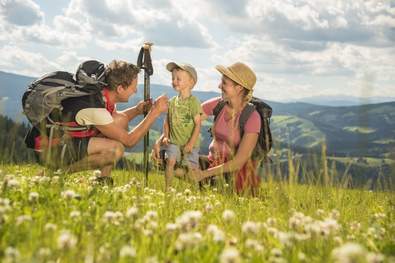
239	73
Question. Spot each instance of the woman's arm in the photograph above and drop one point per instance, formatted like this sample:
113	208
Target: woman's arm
243	154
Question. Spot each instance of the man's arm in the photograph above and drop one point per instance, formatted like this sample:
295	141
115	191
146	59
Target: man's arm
134	111
129	139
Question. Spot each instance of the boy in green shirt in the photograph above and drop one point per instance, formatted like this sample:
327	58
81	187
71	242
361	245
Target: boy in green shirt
181	128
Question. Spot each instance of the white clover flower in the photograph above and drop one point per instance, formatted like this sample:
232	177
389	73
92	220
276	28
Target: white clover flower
13	183
96	173
375	258
276	252
250	227
50	227
349	253
271	222
320	212
379	216
22	219
187	192
170	227
112	217
254	245
132	212
355	227
302	257
44	252
75	214
66	240
151	215
188	240
208	208
216	233
230	255
33	196
68	194
127	251
228	215
188	220
11	254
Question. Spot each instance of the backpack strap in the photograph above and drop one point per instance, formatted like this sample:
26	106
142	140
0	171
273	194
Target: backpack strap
218	108
244	116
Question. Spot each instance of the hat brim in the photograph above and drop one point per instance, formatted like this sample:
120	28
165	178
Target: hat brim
172	65
226	72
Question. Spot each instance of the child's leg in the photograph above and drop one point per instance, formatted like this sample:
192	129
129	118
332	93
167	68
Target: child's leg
173	155
170	163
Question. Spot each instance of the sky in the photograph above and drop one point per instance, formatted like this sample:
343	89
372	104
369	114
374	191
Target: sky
297	48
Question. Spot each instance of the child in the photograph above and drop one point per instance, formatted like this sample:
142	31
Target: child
181	128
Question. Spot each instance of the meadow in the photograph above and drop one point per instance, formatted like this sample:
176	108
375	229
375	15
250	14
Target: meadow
69	218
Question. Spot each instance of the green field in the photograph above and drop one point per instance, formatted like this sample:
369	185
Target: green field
69	218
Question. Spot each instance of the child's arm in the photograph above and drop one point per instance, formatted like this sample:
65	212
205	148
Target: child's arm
195	134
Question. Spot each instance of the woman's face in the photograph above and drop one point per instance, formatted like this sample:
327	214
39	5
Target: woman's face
229	88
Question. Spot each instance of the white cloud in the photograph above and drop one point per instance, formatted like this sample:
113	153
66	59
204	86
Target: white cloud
21	12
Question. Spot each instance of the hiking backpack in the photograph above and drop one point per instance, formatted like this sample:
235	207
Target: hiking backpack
264	144
45	95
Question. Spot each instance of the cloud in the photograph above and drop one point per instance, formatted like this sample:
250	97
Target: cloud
14	59
21	12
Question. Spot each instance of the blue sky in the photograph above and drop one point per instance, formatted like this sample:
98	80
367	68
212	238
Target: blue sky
297	48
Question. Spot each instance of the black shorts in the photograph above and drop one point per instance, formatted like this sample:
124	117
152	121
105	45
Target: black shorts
64	154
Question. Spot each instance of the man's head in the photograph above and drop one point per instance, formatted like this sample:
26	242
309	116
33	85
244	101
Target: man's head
183	75
121	77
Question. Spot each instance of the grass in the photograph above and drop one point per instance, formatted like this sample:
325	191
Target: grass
68	218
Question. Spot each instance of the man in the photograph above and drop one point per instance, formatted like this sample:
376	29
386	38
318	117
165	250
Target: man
102	144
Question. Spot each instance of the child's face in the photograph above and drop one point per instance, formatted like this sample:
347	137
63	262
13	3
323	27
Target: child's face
181	80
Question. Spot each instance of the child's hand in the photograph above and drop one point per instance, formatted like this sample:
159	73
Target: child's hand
165	141
188	148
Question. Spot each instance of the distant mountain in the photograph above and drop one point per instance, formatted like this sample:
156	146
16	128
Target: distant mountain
361	130
344	100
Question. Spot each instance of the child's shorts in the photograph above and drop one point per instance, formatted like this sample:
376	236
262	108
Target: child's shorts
174	152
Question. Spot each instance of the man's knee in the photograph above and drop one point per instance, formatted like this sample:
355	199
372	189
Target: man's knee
117	150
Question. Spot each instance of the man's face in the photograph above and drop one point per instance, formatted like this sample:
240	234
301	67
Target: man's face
125	93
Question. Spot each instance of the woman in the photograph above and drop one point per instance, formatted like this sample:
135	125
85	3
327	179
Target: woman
228	153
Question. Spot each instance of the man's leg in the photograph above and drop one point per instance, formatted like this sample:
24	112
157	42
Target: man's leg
102	153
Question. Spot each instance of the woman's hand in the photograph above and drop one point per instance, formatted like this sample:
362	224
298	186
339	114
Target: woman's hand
195	175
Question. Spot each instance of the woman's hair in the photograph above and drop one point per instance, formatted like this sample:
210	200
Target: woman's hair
247	94
120	72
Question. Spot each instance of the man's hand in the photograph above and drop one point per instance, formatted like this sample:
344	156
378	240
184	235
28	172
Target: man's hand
188	148
160	104
144	106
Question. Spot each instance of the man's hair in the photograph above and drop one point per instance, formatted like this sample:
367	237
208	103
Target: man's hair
120	73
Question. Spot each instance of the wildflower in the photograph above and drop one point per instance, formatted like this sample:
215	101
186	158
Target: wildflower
44	252
13	183
66	240
254	245
188	220
127	251
75	214
335	214
228	216
374	258
349	252
250	227
187	192
188	240
50	227
320	212
132	212
22	219
33	196
230	255
170	227
11	254
68	194
208	208
96	173
276	252
271	222
217	234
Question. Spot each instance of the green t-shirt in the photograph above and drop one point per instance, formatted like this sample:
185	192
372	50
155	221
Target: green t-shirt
180	115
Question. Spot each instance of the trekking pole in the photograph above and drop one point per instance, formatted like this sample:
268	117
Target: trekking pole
144	62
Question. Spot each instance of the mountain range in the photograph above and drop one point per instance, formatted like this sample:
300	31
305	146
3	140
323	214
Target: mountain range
358	130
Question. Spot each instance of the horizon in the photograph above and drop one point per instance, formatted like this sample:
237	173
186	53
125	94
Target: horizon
297	48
